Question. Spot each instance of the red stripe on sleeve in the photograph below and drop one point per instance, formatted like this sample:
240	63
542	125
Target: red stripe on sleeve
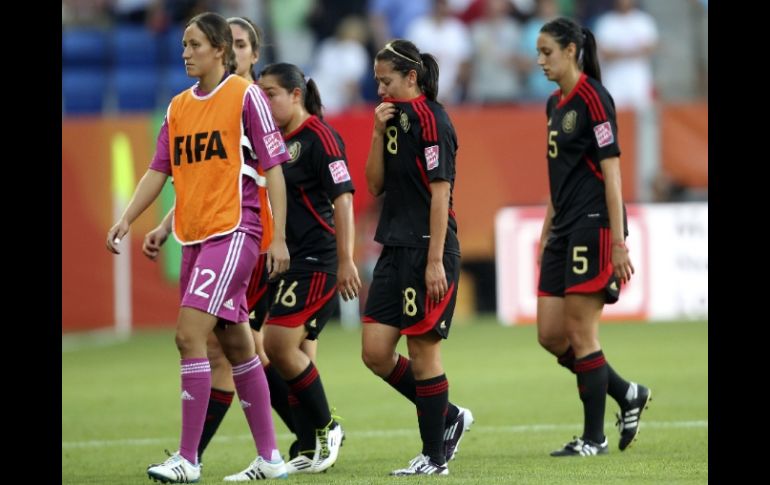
591	107
324	131
595	96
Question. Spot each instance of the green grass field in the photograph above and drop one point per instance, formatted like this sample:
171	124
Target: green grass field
120	409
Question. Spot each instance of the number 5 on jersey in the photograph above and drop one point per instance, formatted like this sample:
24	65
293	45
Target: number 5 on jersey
553	150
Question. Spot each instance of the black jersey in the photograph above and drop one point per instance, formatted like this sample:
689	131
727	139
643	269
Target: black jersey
316	174
582	131
420	147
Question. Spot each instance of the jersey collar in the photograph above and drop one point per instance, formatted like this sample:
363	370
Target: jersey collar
572	93
394	100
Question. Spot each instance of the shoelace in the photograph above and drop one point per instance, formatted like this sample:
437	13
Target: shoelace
171	456
322	436
334	415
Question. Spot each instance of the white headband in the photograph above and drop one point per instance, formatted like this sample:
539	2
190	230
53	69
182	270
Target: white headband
240	21
391	49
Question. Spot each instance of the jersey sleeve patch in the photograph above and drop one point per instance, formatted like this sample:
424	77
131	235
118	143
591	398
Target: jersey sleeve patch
604	134
431	156
274	144
339	171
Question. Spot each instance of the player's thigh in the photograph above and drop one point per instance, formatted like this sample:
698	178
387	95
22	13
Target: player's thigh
589	266
384	302
419	313
219	276
303	298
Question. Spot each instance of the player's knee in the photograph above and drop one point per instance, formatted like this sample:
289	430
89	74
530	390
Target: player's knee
376	360
184	343
554	344
277	352
217	359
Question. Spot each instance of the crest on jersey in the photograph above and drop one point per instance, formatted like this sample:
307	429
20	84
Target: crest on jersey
404	121
569	121
295	148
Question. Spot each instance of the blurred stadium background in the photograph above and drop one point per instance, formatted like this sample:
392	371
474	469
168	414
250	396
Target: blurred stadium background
121	64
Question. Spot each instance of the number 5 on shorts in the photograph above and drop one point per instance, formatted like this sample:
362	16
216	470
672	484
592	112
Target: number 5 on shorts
581	262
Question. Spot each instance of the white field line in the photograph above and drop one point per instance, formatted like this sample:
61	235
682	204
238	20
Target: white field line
381	433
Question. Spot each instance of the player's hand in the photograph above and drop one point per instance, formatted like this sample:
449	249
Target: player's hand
348	282
277	258
435	281
153	240
115	235
382	113
621	263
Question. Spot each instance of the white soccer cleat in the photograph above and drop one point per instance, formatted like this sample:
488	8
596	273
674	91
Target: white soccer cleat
260	469
176	469
454	431
327	446
421	465
300	464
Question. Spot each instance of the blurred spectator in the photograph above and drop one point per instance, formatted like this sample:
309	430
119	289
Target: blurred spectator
293	40
626	38
538	86
702	45
251	9
588	11
523	9
85	13
667	189
341	63
497	62
389	19
327	15
133	11
448	39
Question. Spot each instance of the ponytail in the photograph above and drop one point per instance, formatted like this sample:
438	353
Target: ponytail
313	99
590	58
428	82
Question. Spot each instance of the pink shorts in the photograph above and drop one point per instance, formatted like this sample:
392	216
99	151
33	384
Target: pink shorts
215	274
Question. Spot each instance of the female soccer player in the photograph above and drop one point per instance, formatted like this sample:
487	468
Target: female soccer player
216	219
320	235
247	39
583	255
413	292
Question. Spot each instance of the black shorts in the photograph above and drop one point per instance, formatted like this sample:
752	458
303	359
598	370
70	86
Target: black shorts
257	297
398	296
579	262
302	297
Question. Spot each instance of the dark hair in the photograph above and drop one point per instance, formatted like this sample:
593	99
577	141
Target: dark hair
255	36
217	31
291	77
566	31
405	57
